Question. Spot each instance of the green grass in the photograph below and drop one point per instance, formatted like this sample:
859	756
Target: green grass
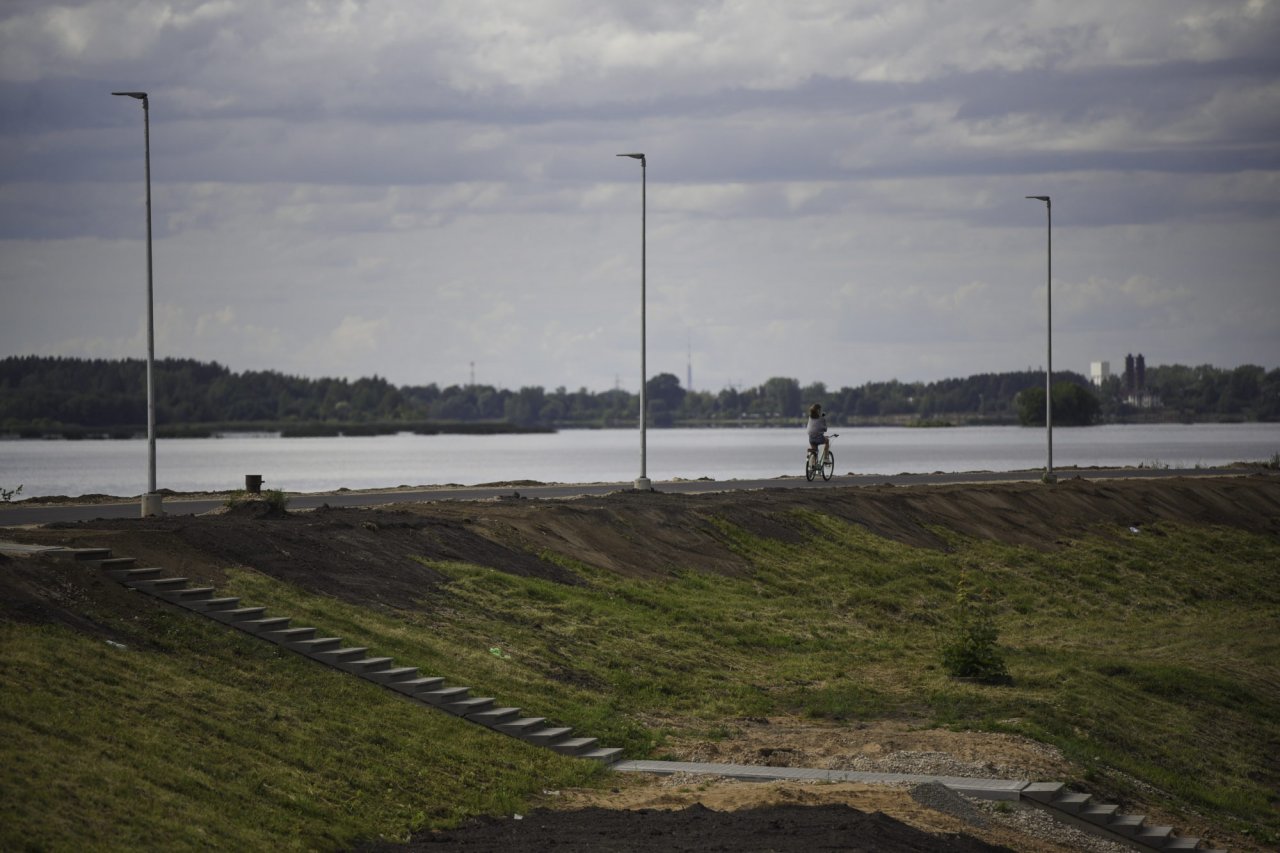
200	737
1150	660
1153	657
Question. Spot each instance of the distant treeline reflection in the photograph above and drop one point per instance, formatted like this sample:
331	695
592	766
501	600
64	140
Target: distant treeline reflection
84	397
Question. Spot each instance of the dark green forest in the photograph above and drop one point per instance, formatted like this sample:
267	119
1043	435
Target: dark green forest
44	395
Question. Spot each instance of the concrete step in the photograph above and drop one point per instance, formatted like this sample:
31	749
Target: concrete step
237	614
155	587
492	717
574	745
126	575
204	605
1070	802
311	648
443	695
191	593
469	705
262	626
547	736
1127	825
1042	792
605	755
1181	843
519	728
113	564
334	657
1099	813
364	666
392	674
289	635
1154	836
414	686
81	555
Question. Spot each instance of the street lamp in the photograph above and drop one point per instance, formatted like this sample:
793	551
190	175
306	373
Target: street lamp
642	482
1048	373
151	501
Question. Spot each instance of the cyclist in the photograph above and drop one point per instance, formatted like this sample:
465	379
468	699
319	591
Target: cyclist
817	430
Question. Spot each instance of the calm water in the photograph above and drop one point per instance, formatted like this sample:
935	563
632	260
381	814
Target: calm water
573	456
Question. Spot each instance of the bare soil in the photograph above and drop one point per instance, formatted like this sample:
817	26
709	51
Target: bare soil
371	557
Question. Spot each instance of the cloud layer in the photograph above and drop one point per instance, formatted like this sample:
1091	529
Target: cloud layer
834	189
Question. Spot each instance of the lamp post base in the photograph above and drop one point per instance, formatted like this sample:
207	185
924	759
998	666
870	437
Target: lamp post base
643	484
152	504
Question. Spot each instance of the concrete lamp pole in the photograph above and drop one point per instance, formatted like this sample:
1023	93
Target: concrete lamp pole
151	501
642	482
1048	373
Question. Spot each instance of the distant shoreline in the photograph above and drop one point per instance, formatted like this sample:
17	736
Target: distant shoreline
278	430
339	430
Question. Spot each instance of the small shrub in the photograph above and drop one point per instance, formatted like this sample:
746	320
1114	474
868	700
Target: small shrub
7	495
272	502
970	650
276	500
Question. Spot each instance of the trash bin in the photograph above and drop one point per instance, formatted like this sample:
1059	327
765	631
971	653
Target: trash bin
253	483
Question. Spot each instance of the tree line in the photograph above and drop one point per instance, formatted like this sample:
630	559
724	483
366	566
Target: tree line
49	394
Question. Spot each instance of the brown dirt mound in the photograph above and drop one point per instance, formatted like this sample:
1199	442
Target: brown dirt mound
375	556
695	829
367	557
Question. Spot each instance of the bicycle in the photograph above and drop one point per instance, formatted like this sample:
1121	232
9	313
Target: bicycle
827	466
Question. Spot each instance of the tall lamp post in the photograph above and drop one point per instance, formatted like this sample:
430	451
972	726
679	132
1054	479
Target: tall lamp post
642	482
1048	373
151	501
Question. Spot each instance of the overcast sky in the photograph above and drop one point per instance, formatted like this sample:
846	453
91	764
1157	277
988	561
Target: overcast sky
835	189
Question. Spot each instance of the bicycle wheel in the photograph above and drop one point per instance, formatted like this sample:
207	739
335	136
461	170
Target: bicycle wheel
810	466
828	465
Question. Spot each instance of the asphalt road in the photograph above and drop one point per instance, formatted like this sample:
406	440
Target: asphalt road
30	513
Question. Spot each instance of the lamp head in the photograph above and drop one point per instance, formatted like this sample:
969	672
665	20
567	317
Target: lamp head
639	157
1043	198
141	96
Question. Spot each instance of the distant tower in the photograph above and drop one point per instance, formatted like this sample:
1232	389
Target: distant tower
1099	371
1141	373
473	374
688	375
1129	375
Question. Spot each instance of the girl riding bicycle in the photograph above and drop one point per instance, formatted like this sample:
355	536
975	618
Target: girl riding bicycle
818	429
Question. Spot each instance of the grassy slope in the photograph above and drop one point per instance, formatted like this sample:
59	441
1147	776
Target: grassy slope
1150	659
202	737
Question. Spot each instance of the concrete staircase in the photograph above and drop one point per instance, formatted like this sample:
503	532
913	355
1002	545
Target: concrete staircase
1072	808
1106	819
430	690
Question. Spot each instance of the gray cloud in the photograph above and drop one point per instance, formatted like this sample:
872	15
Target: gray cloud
835	189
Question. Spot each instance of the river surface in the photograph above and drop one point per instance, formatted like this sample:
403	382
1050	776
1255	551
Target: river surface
119	467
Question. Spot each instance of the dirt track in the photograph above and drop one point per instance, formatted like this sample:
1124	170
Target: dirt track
367	557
